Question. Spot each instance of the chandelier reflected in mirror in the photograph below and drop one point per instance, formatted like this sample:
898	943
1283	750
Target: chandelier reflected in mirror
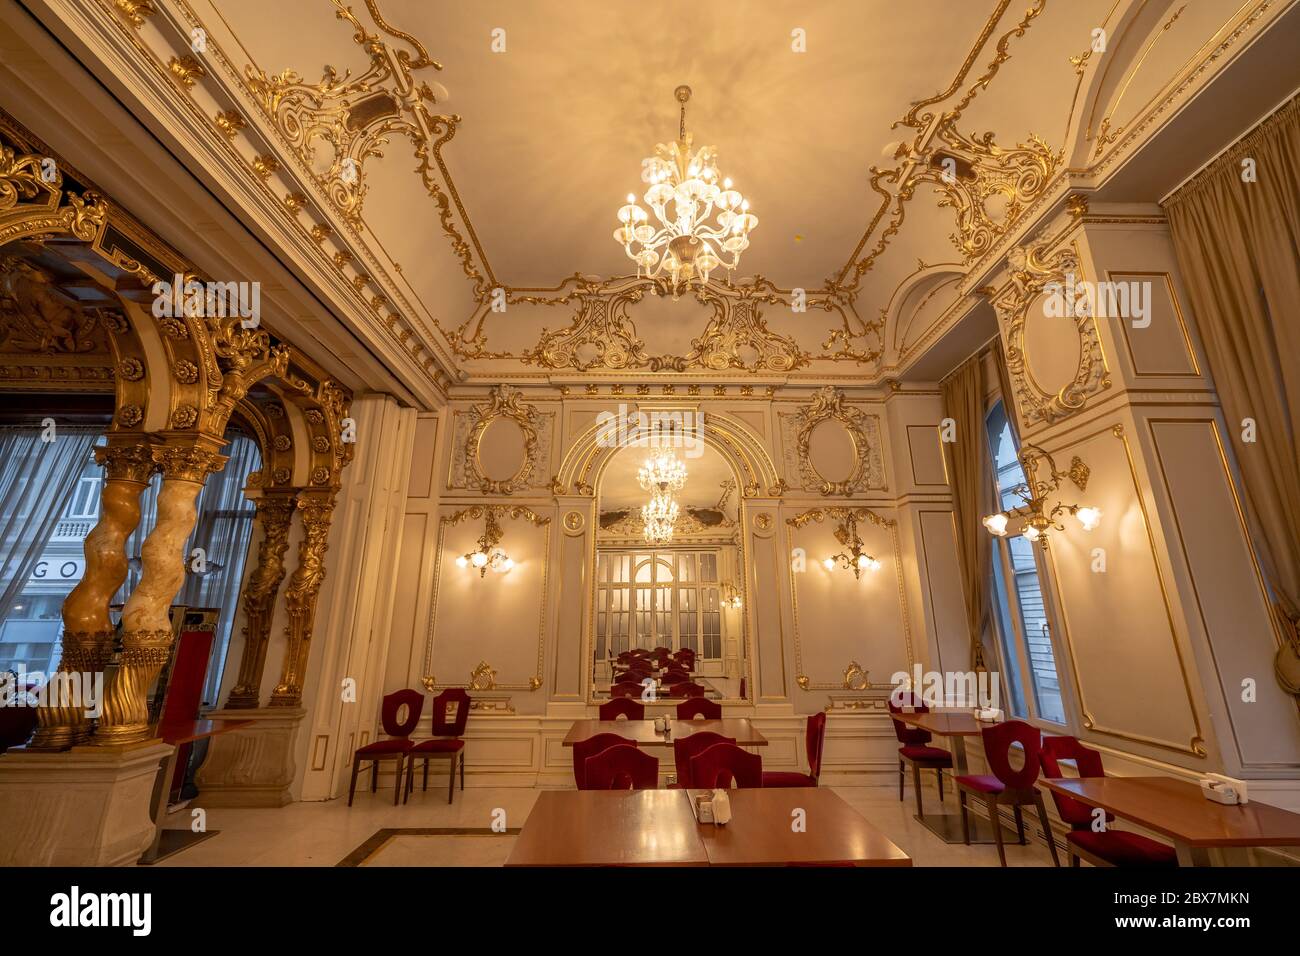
662	474
684	189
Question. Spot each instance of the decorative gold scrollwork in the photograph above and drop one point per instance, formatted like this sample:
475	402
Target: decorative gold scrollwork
829	405
506	402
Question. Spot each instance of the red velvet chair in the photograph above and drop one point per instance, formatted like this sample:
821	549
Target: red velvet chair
622	707
1007	786
686	749
723	764
583	749
685	689
1100	848
626	689
697	707
675	676
916	749
814	738
450	714
623	767
398	729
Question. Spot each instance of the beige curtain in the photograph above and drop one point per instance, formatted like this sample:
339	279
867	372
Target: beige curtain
1004	386
969	472
1238	246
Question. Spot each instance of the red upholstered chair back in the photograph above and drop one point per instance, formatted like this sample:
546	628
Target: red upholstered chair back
694	707
686	749
622	768
687	689
622	707
816	738
626	689
589	748
453	701
1077	815
389	716
723	764
675	677
908	736
998	740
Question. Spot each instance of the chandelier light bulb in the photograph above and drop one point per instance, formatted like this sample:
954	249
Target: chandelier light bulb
829	564
1089	518
479	559
997	524
462	562
1031	533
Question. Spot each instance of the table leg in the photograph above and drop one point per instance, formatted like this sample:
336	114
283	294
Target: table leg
166	842
959	766
1191	855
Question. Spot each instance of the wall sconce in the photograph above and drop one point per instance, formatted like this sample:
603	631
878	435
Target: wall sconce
489	555
730	596
854	558
1032	519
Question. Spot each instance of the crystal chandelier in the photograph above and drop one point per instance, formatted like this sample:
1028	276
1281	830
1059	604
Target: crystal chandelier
659	515
685	244
662	471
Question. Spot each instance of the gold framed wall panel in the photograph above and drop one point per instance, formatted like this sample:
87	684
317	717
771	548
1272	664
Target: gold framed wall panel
1196	744
1125	329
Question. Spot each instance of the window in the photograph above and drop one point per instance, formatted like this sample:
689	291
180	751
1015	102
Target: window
648	599
1030	673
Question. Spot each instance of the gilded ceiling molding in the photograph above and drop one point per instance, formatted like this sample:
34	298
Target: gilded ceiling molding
536	427
34	202
490	513
975	175
135	12
863	430
1032	269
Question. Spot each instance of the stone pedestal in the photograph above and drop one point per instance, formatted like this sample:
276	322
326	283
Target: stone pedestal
254	765
88	806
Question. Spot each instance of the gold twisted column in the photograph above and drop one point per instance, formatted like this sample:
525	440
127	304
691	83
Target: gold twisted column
146	626
274	514
87	631
316	508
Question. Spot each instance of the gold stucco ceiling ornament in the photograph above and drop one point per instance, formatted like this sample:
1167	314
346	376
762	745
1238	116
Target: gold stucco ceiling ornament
683	190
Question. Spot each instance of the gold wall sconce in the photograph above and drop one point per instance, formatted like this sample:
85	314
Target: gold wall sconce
731	596
489	555
853	558
1033	519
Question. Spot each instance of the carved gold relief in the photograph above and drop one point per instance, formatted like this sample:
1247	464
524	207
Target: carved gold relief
863	430
855	678
274	516
1033	269
483	677
535	426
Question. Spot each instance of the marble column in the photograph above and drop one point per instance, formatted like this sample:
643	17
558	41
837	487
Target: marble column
275	514
316	509
128	464
146	626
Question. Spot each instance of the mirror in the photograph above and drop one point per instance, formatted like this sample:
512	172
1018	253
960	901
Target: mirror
669	599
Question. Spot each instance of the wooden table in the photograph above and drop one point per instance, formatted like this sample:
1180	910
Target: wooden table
956	726
610	828
1204	833
762	832
166	842
658	827
643	731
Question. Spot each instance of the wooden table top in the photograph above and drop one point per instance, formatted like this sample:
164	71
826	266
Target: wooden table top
187	731
945	724
761	834
610	828
1177	809
643	731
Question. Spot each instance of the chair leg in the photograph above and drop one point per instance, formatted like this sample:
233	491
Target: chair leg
352	788
461	758
451	778
1020	824
996	822
916	783
900	780
426	773
398	782
374	777
1047	828
1074	859
939	775
965	817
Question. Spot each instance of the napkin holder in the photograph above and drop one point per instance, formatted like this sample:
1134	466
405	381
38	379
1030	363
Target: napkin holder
1217	788
988	715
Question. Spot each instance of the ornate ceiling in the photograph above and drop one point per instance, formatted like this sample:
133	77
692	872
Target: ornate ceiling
459	166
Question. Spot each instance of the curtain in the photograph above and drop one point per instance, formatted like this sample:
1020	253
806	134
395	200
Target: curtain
1238	248
972	479
37	479
999	359
224	530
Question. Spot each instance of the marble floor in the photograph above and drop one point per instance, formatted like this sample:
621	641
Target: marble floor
325	834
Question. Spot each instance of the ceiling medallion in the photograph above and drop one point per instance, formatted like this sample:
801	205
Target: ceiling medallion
685	245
